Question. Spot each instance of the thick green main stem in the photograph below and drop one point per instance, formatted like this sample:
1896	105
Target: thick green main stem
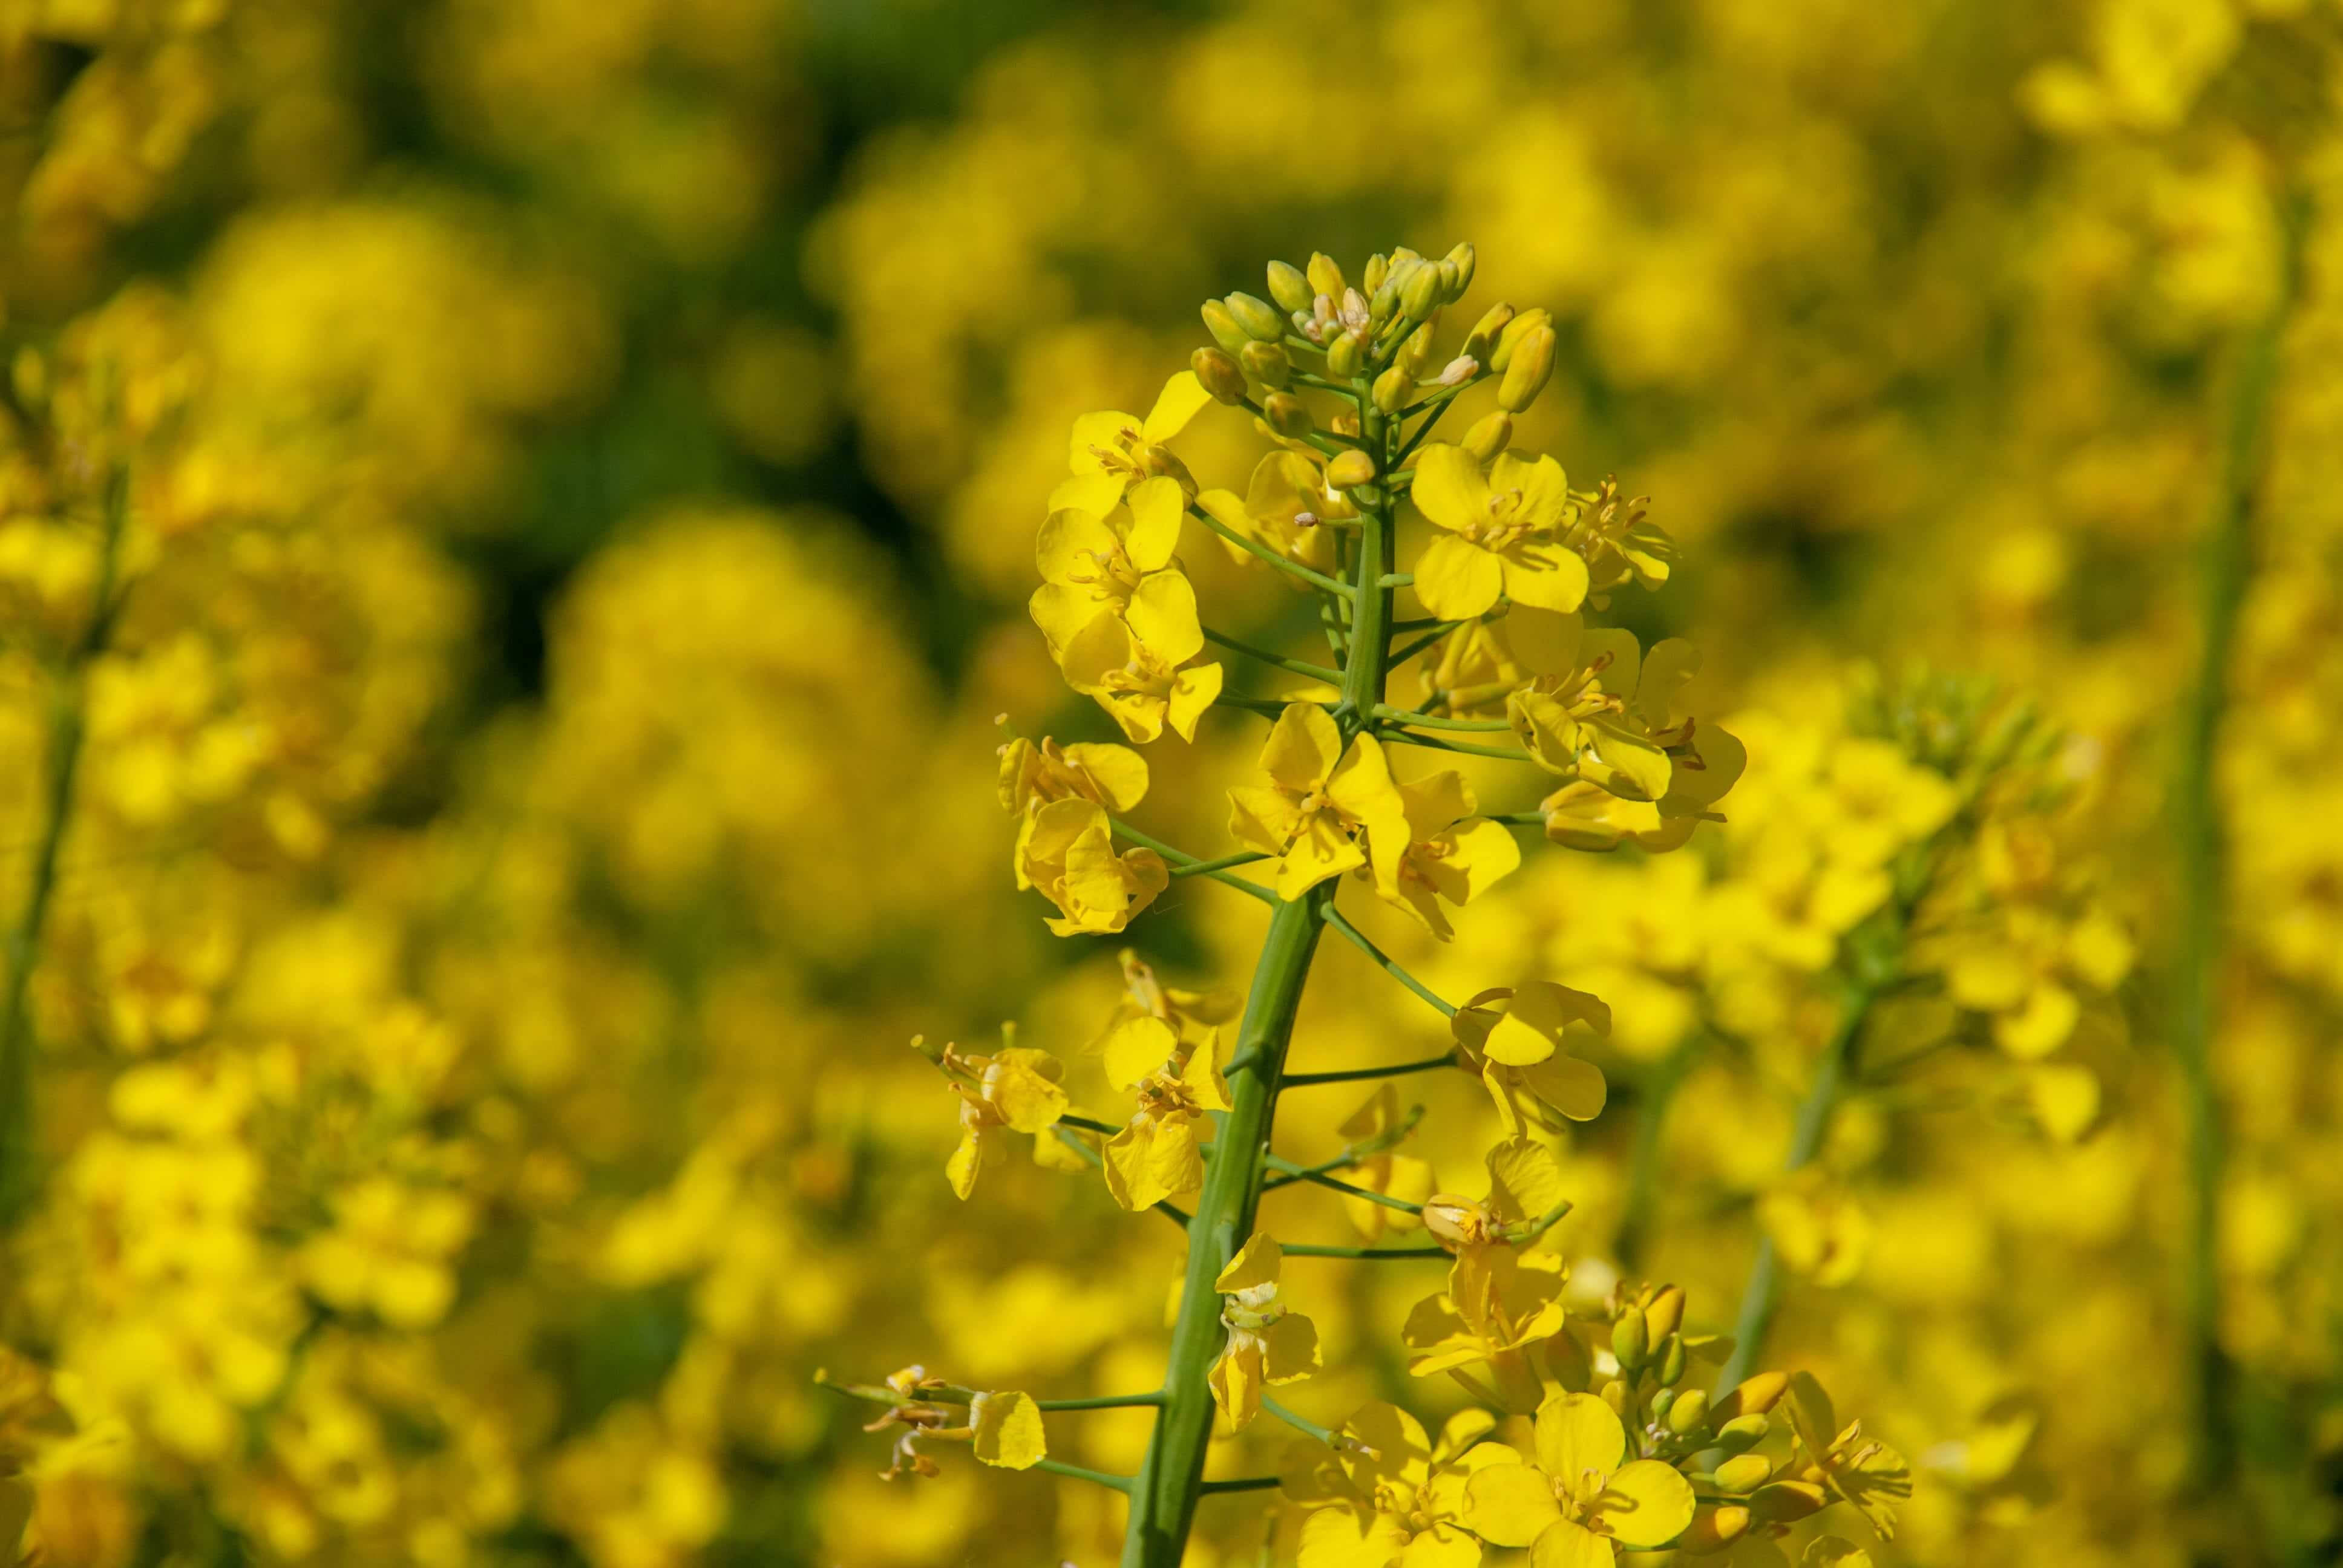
1164	1494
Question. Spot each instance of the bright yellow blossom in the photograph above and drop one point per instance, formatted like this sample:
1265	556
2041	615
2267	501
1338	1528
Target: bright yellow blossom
1092	564
1452	854
1156	1154
1138	666
1066	850
1319	797
1110	452
1502	534
1033	775
1399	1502
1015	1090
1513	1037
1267	1344
1581	1495
1286	508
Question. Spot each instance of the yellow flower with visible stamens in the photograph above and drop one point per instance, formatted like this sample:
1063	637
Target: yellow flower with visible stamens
1451	854
1319	796
1286	507
1015	1090
1156	1155
1066	850
1581	1495
1093	563
1110	452
1267	1344
1400	1502
1034	774
1502	534
1137	665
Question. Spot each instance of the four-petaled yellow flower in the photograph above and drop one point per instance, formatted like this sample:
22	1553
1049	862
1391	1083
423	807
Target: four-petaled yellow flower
1093	563
1034	775
1156	1154
1502	534
1110	452
1512	1036
1267	1345
1015	1090
1137	665
1066	850
1318	798
1581	1495
1451	853
1607	720
1396	1495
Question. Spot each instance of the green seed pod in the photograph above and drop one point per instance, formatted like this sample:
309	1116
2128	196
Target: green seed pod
1325	277
1630	1337
1526	377
1223	327
1287	416
1378	269
1257	316
1420	292
1465	258
1349	469
1416	355
1266	362
1481	342
1688	1411
1742	1433
1671	1357
1745	1473
1514	331
1290	286
1392	389
1346	356
1219	375
1490	435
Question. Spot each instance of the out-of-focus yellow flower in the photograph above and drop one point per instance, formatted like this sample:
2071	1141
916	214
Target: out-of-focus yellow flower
390	1252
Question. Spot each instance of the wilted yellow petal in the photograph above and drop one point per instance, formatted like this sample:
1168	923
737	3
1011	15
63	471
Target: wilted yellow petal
1008	1430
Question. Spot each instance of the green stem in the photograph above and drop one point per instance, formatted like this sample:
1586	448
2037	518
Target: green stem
1432	743
1429	639
1301	1173
1275	660
1102	1402
1254	547
1076	1472
1427	722
2202	851
1206	868
1760	1293
19	1172
1356	1074
1357	939
1184	864
1302	1424
1363	1254
1240	1483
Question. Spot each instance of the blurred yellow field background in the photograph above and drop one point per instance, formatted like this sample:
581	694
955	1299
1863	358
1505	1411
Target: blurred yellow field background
516	525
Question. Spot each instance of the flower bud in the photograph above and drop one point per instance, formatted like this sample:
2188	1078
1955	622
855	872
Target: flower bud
1449	286
1671	1357
1415	353
1384	306
1714	1530
1223	327
1463	257
1392	389
1631	1336
1490	435
1345	358
1526	377
1421	294
1785	1501
1662	1402
1257	316
1266	362
1742	1434
1614	1394
1745	1473
1325	277
1357	313
1690	1410
1346	423
1482	341
1756	1396
1510	337
1378	269
1290	286
1219	375
1286	415
1666	1311
1352	467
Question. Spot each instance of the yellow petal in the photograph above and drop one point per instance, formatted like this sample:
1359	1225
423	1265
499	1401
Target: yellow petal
1402	1454
1022	1082
1534	1021
1544	575
1348	1537
1303	747
1130	1167
2066	1099
1202	1078
1292	1352
1156	508
1096	492
1177	404
1646	1503
1570	1086
1073	545
1539	489
1256	1263
1509	1504
1565	1544
1322	851
2044	1023
1667	670
1197	688
1137	1047
1119	773
1577	1432
1457	579
1162	616
1448	490
1440	1545
966	1162
1095	433
1008	1430
1830	1551
1235	1379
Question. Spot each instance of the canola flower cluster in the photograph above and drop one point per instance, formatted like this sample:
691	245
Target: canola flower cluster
451	1096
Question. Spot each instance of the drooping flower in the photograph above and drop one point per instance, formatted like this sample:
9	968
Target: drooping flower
1514	1038
1318	798
1066	850
1581	1494
1862	1470
1267	1345
1502	534
1034	774
1014	1090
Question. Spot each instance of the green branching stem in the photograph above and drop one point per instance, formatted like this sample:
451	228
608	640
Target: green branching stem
2201	850
1364	1254
1427	722
1184	864
67	724
1384	961
1316	580
1359	1074
1274	660
1390	731
1311	1173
